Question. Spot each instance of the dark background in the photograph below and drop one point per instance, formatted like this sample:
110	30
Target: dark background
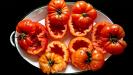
119	11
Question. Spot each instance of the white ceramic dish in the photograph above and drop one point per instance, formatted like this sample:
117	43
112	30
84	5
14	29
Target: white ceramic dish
39	15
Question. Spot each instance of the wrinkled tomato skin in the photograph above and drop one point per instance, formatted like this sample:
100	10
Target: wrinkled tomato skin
109	37
83	14
52	63
118	45
26	26
58	12
32	37
80	56
113	30
25	43
116	48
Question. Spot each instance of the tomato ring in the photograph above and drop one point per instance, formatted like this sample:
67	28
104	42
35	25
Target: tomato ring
75	32
96	33
55	31
59	48
79	42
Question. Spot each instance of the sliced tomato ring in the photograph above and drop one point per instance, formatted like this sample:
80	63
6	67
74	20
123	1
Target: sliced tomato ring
59	48
96	39
56	31
77	31
38	47
79	42
51	63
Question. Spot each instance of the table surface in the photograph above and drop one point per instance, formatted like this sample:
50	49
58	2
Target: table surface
118	12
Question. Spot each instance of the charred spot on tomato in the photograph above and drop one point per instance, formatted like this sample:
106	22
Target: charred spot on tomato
84	14
113	38
50	62
57	29
59	11
57	49
88	60
80	43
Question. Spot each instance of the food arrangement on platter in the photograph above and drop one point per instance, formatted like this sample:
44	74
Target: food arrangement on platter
87	49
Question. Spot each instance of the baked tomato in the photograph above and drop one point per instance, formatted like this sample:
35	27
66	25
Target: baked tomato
82	18
79	42
32	37
24	41
83	14
51	63
97	29
109	37
113	39
59	48
55	31
87	59
58	12
96	39
26	27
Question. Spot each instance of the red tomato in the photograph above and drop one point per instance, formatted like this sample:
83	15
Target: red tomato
87	59
52	63
26	27
58	12
114	42
24	41
55	31
83	14
38	47
96	39
32	37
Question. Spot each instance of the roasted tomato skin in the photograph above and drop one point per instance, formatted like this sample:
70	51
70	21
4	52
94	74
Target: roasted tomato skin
86	59
32	37
97	29
57	19
26	26
51	63
109	37
82	18
114	35
58	12
97	40
83	14
25	42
